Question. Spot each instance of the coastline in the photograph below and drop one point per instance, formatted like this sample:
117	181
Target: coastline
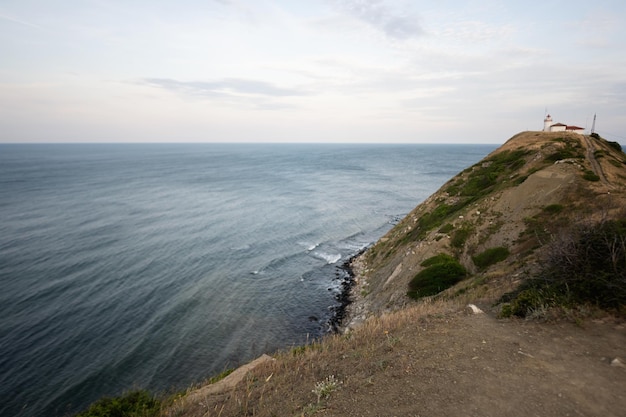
338	312
353	308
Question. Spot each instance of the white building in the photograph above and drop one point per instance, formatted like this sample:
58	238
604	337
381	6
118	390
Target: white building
549	126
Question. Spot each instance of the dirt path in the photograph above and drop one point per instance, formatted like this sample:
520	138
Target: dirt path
595	165
457	364
479	366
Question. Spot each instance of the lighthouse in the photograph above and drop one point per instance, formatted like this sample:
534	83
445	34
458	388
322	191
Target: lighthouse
547	122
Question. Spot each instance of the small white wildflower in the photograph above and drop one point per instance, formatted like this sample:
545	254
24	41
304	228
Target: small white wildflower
324	388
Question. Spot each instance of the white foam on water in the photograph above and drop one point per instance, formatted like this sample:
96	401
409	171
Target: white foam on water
308	245
330	258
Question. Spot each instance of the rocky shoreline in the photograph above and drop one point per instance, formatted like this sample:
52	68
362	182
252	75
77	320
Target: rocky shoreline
351	309
341	313
357	311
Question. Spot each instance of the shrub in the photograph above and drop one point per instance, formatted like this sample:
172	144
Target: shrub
441	274
431	220
583	266
560	155
571	149
590	176
446	228
490	257
442	258
131	404
460	236
615	145
553	208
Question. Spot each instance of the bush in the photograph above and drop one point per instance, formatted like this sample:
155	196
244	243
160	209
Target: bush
584	266
615	145
442	273
490	257
442	258
590	176
553	208
131	404
459	237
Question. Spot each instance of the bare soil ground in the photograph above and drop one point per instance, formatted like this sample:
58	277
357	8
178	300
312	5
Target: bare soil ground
452	364
479	366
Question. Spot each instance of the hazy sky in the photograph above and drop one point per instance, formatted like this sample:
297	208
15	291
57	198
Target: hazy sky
308	71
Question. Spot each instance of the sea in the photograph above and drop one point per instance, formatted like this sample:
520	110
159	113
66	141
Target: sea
156	266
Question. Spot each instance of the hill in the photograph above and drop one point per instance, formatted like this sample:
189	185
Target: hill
536	187
534	238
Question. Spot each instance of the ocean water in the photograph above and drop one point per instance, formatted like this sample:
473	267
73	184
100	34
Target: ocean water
157	265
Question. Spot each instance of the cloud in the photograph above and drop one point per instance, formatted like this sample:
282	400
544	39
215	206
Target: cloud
377	13
228	87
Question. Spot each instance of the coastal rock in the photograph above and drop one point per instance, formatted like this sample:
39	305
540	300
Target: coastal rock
617	362
474	309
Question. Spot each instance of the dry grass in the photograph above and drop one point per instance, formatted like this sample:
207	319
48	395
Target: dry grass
286	386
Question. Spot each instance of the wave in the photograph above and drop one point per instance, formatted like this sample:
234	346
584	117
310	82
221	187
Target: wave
330	258
308	245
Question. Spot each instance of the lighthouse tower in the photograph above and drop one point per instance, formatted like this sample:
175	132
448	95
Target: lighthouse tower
547	122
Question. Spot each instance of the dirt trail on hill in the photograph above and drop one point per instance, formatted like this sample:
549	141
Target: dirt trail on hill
475	365
591	157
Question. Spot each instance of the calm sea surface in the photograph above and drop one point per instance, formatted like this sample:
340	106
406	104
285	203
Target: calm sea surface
155	266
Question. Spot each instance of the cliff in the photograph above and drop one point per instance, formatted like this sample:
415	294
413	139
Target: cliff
535	340
520	197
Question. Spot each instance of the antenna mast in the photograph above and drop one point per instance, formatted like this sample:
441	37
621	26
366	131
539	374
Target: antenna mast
593	126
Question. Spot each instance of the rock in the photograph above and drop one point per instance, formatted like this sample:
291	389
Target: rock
618	362
475	310
228	383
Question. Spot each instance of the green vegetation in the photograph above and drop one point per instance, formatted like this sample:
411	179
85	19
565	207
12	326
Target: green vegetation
131	404
615	145
483	178
590	176
541	226
553	208
438	259
442	272
490	257
460	236
571	150
220	376
446	228
587	266
480	180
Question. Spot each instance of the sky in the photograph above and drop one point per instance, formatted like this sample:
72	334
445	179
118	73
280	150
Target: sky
308	71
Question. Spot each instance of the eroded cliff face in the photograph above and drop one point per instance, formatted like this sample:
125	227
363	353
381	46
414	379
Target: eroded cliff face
519	197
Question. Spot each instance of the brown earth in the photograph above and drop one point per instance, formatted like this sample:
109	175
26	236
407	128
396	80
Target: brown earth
399	357
451	364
